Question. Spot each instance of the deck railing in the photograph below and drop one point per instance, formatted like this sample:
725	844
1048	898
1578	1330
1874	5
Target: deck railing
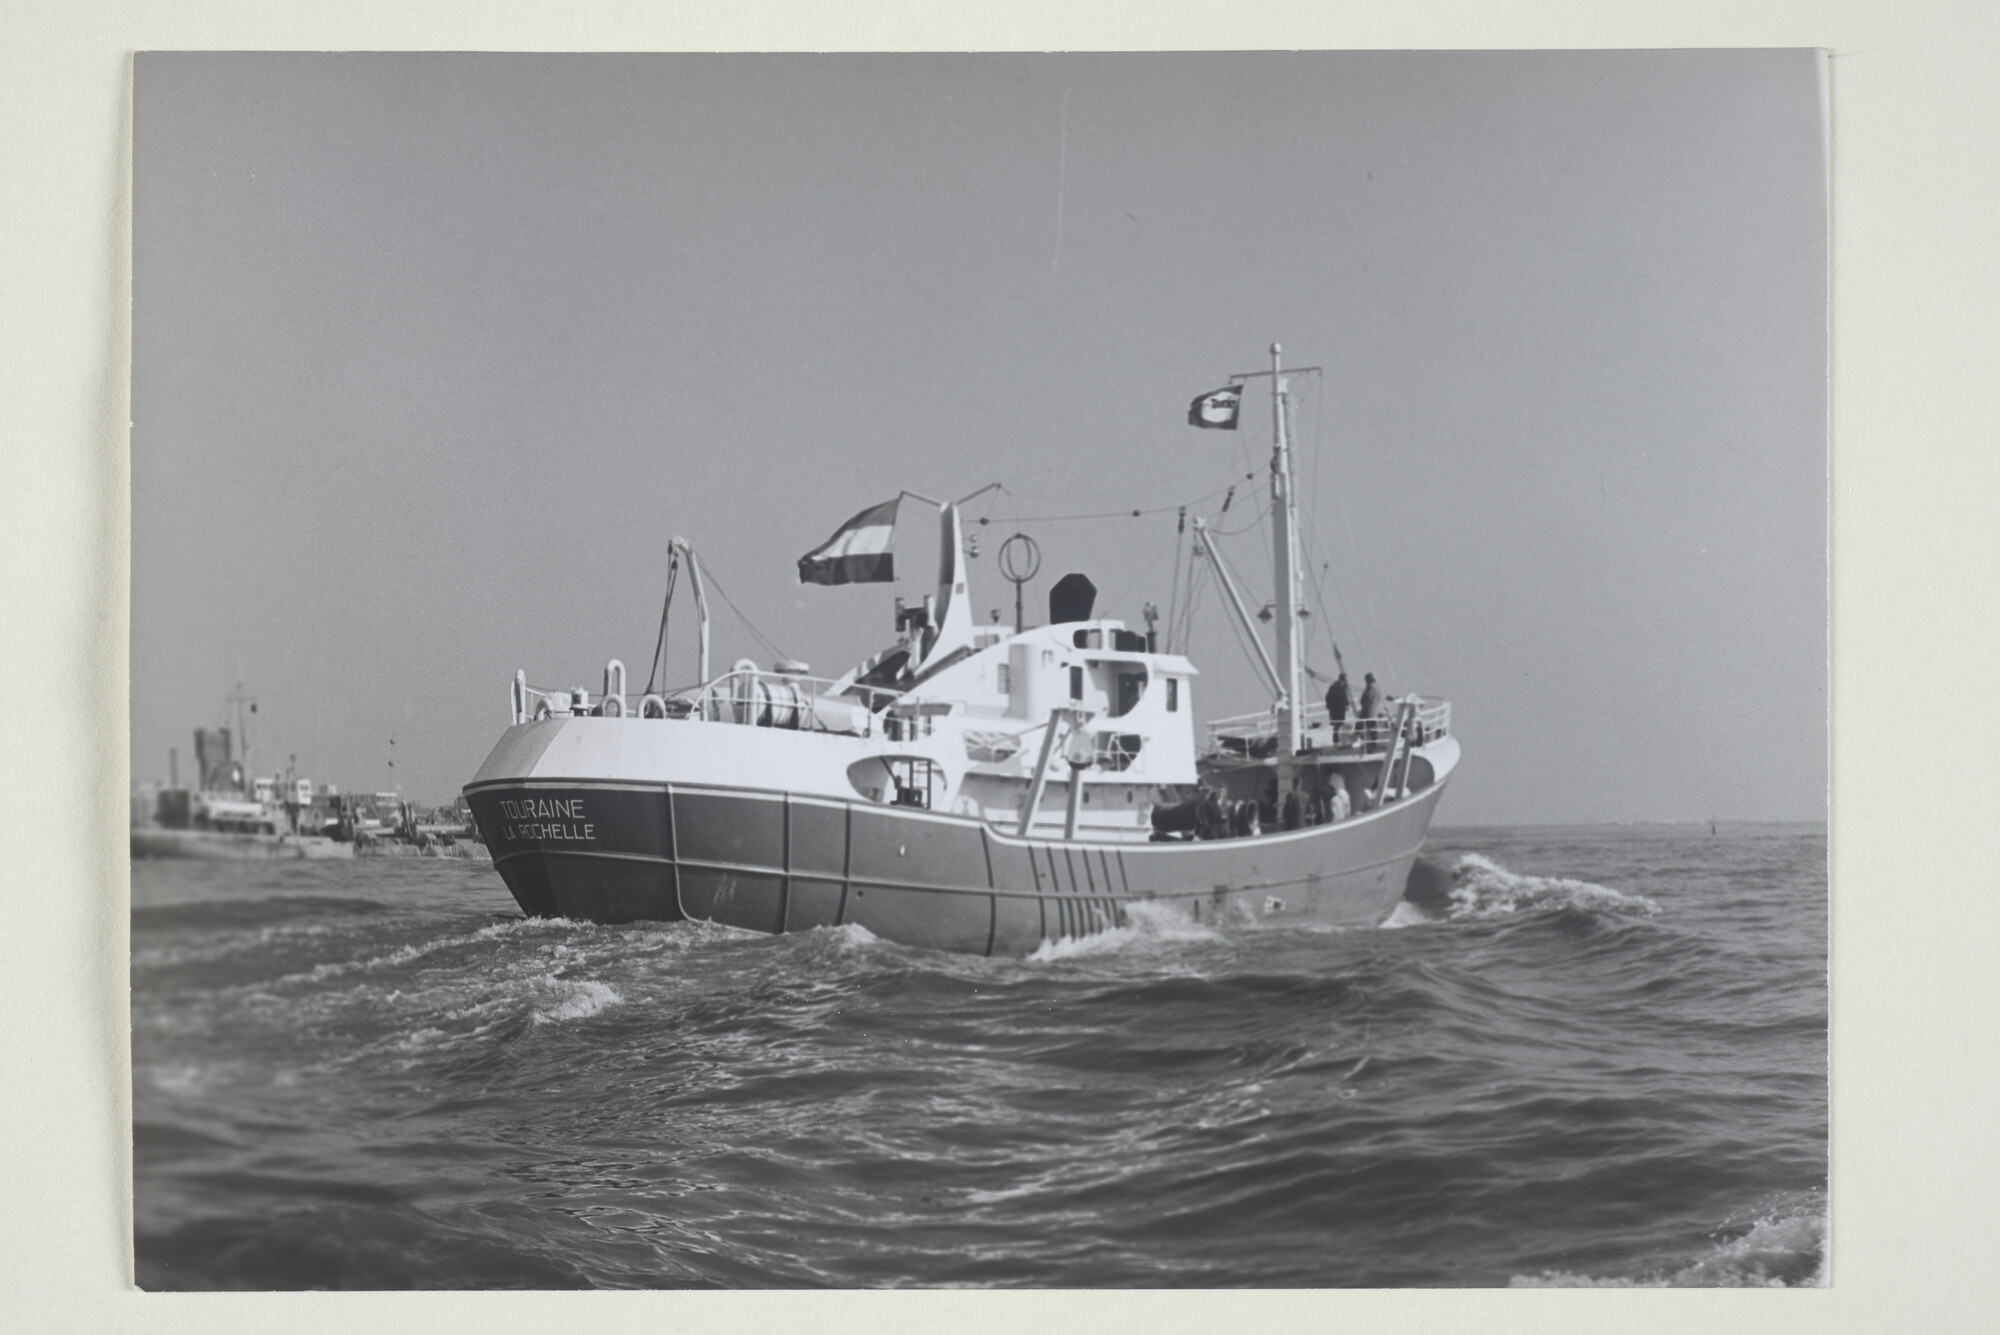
1242	732
743	695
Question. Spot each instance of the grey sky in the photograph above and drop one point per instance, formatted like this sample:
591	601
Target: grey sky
433	353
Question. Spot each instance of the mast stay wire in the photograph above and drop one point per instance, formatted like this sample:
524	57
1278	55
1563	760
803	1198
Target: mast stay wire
1250	651
1305	542
1263	509
1347	526
1133	513
1319	598
1317	548
1134	582
1195	590
759	635
1317	542
660	644
1176	612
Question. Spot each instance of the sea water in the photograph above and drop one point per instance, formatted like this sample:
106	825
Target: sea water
1598	1056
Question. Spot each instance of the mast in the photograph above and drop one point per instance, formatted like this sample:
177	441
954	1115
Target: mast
1288	706
238	698
686	548
1284	566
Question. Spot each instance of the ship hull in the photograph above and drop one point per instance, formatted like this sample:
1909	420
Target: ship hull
773	861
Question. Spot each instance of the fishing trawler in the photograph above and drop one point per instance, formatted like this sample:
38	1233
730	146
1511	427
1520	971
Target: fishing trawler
970	788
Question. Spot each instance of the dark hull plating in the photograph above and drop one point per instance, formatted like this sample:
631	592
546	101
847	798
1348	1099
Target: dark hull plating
777	862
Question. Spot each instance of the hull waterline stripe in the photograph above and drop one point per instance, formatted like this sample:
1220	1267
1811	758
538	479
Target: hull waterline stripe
1138	846
875	883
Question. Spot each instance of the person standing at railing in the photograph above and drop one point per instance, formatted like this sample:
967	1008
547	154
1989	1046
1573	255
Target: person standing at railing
1371	707
1336	704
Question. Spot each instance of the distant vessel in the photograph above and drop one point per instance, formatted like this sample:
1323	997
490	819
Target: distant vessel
230	815
968	788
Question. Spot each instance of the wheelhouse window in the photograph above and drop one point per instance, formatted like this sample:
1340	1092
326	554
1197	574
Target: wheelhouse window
1076	683
912	779
1173	695
1131	689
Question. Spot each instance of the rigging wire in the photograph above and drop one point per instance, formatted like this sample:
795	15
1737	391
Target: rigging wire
1252	592
1319	596
1195	590
1134	582
660	644
1264	508
1249	651
1134	513
1388	657
759	635
1316	561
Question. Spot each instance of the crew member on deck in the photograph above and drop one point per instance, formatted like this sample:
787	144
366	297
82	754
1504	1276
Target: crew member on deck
1336	704
1371	705
1337	805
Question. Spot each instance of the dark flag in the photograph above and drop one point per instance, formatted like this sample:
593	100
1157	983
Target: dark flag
857	554
1217	409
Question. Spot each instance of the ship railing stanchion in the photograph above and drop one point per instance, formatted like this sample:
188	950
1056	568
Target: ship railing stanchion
1389	756
1079	758
1041	780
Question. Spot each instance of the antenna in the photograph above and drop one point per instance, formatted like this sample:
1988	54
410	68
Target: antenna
1020	561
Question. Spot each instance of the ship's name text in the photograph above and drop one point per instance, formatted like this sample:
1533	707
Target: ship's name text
547	818
543	808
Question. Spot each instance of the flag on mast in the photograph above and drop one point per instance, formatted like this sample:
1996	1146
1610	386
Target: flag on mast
1217	409
858	553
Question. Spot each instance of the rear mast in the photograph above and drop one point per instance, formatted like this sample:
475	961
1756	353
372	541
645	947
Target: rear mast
1289	705
1284	563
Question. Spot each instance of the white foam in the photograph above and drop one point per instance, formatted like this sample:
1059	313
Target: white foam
516	926
1146	926
575	999
1406	914
1757	1259
1482	888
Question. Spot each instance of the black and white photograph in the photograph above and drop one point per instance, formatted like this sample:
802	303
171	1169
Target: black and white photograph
1196	670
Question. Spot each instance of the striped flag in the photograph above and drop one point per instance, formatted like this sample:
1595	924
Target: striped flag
1217	409
858	553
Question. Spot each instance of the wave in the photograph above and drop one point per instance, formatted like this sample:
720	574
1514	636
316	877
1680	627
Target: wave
1147	927
849	936
574	999
226	914
1778	1251
1481	888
